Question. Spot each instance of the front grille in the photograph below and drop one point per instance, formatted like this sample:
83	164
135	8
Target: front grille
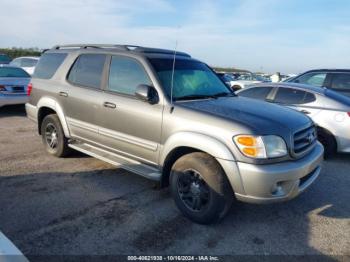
304	140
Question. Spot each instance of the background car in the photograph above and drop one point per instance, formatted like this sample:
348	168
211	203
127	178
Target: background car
13	85
244	80
227	78
4	59
27	63
329	110
336	79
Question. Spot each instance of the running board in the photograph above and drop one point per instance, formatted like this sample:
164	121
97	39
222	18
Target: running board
119	161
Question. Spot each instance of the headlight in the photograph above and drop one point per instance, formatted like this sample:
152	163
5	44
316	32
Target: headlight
261	146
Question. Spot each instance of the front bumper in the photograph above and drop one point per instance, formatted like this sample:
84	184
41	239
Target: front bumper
13	100
275	182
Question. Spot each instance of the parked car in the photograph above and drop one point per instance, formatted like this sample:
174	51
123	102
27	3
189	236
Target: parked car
227	79
328	109
245	80
13	85
27	63
4	59
173	121
335	79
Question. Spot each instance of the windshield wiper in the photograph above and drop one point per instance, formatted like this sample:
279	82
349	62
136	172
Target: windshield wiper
223	94
190	97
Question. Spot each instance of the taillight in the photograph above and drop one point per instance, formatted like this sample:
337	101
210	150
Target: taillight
348	113
2	88
29	89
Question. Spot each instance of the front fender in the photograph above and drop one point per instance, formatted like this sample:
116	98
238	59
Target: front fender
198	141
52	104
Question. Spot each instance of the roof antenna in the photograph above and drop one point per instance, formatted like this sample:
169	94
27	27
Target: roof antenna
172	78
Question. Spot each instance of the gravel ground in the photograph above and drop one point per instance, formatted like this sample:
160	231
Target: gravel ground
82	206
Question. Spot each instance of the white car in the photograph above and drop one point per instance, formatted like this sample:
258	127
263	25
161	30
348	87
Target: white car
27	63
329	110
246	80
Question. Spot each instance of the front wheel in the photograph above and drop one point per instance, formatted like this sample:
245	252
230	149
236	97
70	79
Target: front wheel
53	136
200	188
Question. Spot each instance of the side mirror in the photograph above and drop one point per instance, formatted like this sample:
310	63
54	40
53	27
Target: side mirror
147	93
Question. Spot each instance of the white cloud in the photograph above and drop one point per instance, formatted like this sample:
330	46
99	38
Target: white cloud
230	38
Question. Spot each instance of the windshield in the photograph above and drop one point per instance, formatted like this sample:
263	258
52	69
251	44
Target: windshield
12	72
192	79
4	59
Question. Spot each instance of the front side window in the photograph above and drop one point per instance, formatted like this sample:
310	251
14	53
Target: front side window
16	62
125	74
315	79
293	96
260	93
48	65
87	70
341	81
191	79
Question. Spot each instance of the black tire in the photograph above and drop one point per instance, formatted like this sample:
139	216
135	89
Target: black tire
329	143
200	188
56	145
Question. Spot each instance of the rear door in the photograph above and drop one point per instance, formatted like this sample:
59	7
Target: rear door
128	125
82	96
341	82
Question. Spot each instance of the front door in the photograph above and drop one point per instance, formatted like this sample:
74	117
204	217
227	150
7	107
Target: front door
130	126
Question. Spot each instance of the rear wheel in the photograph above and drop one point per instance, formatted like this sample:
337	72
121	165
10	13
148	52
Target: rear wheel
53	136
200	188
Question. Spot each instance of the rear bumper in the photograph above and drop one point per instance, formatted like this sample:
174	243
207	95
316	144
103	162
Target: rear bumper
276	182
13	100
32	112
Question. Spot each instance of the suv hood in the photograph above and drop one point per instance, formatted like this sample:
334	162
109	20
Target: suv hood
261	117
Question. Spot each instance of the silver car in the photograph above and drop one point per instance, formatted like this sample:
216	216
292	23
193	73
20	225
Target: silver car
13	85
168	117
329	110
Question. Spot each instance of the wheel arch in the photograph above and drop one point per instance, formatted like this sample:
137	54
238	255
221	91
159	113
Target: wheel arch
46	106
184	143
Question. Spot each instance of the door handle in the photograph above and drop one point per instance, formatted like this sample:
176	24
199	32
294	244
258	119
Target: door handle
305	112
109	105
64	94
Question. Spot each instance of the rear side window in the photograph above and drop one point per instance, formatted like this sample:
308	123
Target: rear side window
293	96
315	79
48	65
87	70
341	81
28	62
125	75
256	92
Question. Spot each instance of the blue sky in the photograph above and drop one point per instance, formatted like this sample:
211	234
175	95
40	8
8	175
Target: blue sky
289	36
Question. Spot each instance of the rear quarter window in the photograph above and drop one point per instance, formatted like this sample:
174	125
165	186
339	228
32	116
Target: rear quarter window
256	92
48	65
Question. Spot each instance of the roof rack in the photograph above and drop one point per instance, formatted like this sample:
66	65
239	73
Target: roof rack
134	48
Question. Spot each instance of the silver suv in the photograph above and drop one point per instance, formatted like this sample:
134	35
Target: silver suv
169	118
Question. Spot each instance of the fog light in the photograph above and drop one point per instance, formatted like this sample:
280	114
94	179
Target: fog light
277	189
